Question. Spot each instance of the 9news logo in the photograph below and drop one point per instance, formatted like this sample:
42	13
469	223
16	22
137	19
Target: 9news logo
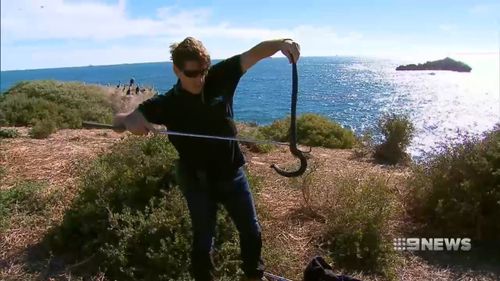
432	244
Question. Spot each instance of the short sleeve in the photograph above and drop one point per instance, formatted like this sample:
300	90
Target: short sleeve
225	75
156	110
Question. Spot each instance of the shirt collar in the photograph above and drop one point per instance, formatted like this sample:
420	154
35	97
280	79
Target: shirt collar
179	90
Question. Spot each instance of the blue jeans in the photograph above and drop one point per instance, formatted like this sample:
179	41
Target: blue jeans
202	194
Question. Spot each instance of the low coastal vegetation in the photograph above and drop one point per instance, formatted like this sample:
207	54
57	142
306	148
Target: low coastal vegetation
26	202
8	133
253	132
48	105
397	132
128	222
65	104
312	130
457	189
360	224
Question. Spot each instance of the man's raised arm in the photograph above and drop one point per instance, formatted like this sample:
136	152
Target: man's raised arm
288	47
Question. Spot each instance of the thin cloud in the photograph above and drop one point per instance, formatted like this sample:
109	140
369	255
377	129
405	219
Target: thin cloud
447	27
485	9
60	20
104	30
25	20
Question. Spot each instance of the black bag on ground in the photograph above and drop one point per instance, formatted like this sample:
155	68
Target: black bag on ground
319	270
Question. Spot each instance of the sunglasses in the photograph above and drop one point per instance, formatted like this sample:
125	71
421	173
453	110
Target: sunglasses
195	73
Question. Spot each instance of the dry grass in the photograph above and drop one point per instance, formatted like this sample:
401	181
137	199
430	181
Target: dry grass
57	161
290	209
289	213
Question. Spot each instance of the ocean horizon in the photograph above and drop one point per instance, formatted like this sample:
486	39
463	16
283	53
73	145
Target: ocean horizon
353	91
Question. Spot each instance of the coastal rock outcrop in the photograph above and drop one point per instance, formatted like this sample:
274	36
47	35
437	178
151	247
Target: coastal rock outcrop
444	64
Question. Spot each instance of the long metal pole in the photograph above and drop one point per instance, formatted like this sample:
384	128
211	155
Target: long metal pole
95	125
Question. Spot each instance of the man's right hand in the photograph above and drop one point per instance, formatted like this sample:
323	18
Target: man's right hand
133	122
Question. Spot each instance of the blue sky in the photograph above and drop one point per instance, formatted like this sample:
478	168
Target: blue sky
57	33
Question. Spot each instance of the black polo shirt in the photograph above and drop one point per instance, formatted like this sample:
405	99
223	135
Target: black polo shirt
209	113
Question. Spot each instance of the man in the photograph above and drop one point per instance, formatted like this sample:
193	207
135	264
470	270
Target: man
210	171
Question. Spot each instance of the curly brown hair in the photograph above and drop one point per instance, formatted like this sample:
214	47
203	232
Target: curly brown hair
189	49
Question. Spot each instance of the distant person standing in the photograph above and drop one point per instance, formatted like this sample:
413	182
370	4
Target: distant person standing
130	85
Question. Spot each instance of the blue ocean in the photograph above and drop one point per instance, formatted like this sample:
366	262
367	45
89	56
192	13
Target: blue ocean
353	91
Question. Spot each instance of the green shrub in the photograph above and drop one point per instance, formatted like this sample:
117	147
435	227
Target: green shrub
254	134
397	132
129	223
358	225
66	104
278	130
129	176
312	130
147	243
3	172
43	129
364	146
9	133
24	198
457	189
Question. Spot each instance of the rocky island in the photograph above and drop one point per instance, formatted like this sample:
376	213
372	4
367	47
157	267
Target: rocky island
444	64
